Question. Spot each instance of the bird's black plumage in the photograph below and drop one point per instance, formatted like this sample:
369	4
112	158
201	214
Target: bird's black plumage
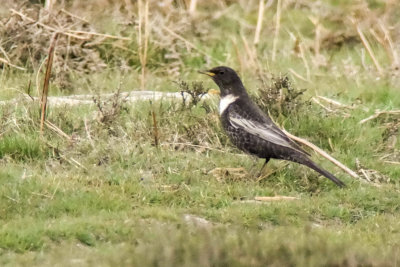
250	129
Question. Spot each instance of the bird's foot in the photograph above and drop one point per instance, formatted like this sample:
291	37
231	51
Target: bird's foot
267	172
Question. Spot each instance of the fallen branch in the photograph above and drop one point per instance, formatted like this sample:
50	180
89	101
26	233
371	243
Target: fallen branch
324	154
377	114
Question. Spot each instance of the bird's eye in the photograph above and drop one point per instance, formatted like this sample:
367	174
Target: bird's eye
221	72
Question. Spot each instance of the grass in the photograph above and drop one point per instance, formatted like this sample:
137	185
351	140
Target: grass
108	196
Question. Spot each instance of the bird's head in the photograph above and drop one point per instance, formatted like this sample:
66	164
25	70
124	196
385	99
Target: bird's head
227	80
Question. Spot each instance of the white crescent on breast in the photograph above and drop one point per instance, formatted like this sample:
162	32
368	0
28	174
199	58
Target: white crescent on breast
225	102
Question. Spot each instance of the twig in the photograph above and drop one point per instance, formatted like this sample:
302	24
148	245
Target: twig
188	43
45	91
250	52
77	163
392	162
48	4
199	146
297	75
277	27
192	7
334	102
238	55
262	177
74	16
303	57
73	162
377	114
155	128
88	132
55	189
37	75
143	40
324	154
46	26
368	47
395	56
10	64
5	53
71	33
275	198
100	34
57	130
320	104
259	21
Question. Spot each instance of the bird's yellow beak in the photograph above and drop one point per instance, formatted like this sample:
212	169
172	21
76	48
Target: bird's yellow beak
208	73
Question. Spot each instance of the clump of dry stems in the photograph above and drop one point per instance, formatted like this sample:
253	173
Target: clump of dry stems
110	109
26	37
280	97
192	93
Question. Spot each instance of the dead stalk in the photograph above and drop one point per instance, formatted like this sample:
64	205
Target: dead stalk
259	21
324	154
155	128
45	90
303	57
377	114
334	102
388	38
277	27
320	104
48	4
71	33
143	38
192	7
297	75
46	26
57	130
275	198
10	64
100	34
370	52
250	52
190	44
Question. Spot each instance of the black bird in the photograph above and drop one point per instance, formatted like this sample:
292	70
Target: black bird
250	129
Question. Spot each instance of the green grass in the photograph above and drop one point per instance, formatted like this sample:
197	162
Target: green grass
109	197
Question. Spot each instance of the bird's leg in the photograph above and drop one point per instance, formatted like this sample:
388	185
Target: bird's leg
265	164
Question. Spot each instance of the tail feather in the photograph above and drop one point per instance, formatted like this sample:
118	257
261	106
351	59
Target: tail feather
309	163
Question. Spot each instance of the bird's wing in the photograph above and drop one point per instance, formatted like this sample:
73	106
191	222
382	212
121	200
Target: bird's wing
264	130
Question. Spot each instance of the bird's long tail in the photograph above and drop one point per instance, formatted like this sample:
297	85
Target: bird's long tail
309	163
